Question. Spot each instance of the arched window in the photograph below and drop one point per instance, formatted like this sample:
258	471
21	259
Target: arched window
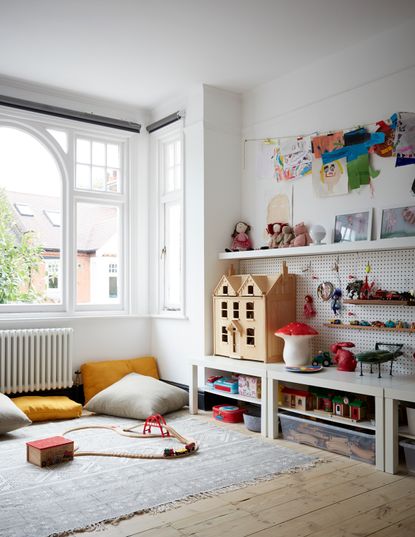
30	220
64	225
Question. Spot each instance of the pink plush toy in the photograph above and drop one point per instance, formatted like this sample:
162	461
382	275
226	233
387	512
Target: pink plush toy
302	238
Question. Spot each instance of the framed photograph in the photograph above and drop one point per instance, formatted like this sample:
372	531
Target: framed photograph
352	227
397	222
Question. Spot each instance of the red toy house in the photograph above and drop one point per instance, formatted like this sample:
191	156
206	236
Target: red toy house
298	399
358	410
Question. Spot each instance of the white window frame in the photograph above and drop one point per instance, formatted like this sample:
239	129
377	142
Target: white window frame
37	125
161	138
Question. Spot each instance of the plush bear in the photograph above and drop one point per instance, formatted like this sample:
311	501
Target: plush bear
302	238
276	236
287	236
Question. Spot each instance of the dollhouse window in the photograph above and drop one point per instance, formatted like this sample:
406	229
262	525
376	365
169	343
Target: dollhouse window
250	336
249	310
236	310
225	289
250	289
224	310
224	335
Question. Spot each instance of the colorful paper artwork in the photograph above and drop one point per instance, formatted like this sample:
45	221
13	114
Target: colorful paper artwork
330	179
386	149
265	160
405	139
358	166
326	143
293	165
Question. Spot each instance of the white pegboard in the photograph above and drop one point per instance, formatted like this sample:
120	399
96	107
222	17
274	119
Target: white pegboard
391	270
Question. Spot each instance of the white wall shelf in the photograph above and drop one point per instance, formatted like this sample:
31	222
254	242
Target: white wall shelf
324	249
236	396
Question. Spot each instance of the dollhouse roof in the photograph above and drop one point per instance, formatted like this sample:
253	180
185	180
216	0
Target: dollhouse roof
262	283
234	282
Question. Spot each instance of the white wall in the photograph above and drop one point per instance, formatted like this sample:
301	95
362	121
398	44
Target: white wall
106	337
212	200
360	85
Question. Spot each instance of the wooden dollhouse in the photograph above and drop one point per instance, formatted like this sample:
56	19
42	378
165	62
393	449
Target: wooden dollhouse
247	309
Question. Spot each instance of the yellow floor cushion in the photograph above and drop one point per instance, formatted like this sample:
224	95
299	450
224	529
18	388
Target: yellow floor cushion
46	408
97	376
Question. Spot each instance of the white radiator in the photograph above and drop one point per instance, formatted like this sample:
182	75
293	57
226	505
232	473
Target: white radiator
32	360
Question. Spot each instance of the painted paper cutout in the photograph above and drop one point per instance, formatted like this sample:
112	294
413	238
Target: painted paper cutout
294	165
358	166
405	138
386	149
265	158
330	179
280	207
327	142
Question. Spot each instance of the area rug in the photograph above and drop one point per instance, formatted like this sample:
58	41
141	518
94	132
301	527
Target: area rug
38	502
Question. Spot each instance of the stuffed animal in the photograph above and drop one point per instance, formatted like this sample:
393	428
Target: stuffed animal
241	240
287	236
302	238
275	233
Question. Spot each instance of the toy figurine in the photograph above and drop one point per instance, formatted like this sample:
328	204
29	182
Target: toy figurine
275	233
353	288
344	359
241	240
335	301
309	310
366	290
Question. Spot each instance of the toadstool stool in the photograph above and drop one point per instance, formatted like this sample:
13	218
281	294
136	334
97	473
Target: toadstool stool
296	338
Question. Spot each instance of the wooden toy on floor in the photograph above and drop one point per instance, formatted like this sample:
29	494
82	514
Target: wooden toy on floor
190	445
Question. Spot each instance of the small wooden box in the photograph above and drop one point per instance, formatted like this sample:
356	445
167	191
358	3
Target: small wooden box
249	386
48	451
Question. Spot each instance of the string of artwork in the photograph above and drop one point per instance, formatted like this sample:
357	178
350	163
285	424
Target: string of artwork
338	162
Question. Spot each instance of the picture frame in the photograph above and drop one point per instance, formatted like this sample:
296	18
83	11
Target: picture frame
397	221
353	226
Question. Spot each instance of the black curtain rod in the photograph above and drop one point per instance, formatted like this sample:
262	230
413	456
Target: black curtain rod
56	111
164	121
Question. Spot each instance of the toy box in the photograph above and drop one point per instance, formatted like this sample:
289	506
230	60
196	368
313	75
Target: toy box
48	451
351	443
228	413
249	386
226	384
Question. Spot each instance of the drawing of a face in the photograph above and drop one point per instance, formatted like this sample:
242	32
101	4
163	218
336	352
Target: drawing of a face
330	174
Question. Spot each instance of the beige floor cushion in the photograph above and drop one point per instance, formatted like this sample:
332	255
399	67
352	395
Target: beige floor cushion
11	417
138	396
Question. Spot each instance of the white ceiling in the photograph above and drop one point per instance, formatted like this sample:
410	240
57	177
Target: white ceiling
141	52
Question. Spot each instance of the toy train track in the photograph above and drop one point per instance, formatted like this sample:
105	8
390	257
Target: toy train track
190	445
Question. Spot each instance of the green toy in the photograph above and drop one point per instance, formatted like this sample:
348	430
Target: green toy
322	358
379	356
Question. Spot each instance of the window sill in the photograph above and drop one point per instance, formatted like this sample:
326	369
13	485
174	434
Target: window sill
43	317
171	316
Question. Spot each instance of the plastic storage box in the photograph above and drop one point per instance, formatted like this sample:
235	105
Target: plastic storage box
252	421
349	442
409	448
